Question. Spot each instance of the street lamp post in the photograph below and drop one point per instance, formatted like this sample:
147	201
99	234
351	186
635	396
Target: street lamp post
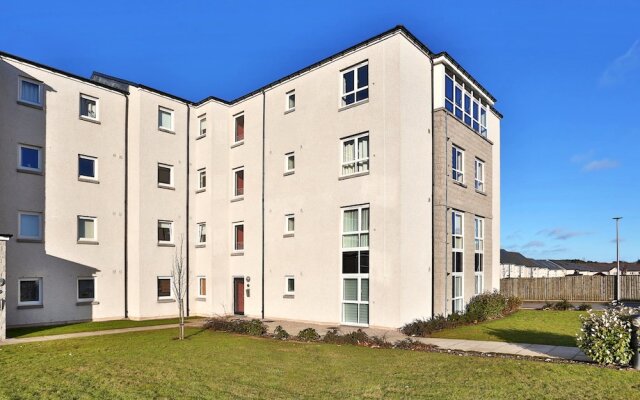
617	219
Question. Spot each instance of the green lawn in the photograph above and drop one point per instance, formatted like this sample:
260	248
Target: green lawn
220	365
525	326
33	331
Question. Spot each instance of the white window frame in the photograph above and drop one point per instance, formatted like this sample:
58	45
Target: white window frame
235	193
23	237
95	168
171	184
479	175
199	279
288	278
286	163
171	236
479	250
359	276
200	227
171	113
457	174
234	130
202	126
457	302
171	295
287	103
40	91
26	146
95	287
202	172
288	217
39	302
344	94
97	101
477	123
234	244
358	159
95	228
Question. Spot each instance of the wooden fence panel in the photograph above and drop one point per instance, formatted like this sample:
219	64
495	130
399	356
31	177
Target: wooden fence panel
572	288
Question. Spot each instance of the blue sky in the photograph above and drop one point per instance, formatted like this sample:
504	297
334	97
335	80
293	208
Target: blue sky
566	75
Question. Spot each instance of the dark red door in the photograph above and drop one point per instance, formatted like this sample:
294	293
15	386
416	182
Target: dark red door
238	296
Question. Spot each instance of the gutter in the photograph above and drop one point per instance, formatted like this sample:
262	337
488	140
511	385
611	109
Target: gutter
263	180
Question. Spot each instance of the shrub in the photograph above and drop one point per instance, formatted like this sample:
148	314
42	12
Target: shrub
486	306
583	307
513	304
308	335
606	337
563	305
425	327
253	327
280	333
357	338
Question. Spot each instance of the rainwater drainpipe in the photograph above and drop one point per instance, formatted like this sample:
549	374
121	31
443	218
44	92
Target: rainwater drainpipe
446	209
126	206
263	180
187	211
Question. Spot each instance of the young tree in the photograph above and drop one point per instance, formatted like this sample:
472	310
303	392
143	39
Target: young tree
179	275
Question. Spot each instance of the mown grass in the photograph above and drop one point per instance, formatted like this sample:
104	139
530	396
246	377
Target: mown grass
219	365
525	326
33	331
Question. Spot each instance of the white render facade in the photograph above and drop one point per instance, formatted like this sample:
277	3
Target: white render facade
310	199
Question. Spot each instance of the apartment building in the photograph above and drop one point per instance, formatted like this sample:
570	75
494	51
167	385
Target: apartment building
362	190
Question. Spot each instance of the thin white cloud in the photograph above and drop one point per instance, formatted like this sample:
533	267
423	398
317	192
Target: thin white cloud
580	158
622	67
532	244
562	234
597	165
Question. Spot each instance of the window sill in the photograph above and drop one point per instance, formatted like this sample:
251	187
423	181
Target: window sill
166	300
89	119
32	105
481	192
93	242
289	111
236	144
28	307
22	240
168	187
201	190
289	296
459	183
343	177
356	104
166	244
161	129
201	299
239	198
237	253
201	136
87	303
88	180
200	245
288	235
287	173
29	171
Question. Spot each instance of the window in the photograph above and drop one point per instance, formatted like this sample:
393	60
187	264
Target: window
202	233
30	291
355	265
30	92
289	285
165	175
289	224
202	287
239	129
238	236
289	163
457	260
87	229
165	291
165	232
29	158
203	126
165	119
291	101
87	167
479	255
355	84
29	226
238	182
457	164
355	154
86	289
479	175
465	103
202	179
88	107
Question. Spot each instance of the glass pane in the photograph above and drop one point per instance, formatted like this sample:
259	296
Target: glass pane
364	262
467	119
203	126
350	289
239	237
86	228
29	158
350	241
448	105
458	113
164	231
203	286
348	99
364	240
164	287
202	233
348	169
86	289
350	262
86	167
203	179
456	259
291	224
348	150
350	313
291	285
475	110
292	101
239	183
88	108
30	92
448	89
479	262
291	163
347	82
364	314
239	128
350	221
458	98
363	76
362	94
467	104
457	286
164	175
30	290
165	119
29	225
364	290
365	219
363	147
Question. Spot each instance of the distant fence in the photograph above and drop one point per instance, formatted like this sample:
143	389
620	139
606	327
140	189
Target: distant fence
572	288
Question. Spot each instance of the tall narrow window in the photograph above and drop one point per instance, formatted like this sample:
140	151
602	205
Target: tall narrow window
238	182
203	126
479	255
30	226
202	179
87	229
289	163
355	154
355	84
457	164
457	261
86	289
202	287
88	107
30	92
238	236
165	119
448	91
483	121
87	168
165	232
289	224
289	285
29	158
291	101
165	175
355	265
202	233
239	128
479	175
30	291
